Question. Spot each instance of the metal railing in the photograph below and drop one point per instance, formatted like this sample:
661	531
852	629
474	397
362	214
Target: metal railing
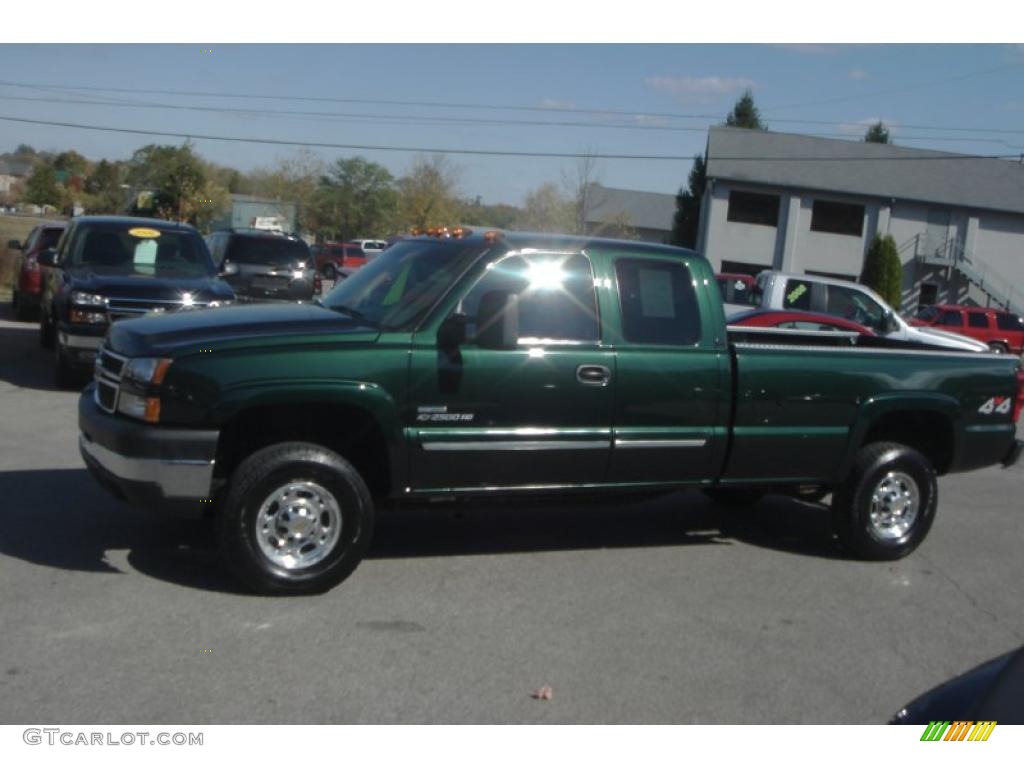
952	255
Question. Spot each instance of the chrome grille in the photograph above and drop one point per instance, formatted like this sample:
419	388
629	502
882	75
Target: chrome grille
109	367
119	308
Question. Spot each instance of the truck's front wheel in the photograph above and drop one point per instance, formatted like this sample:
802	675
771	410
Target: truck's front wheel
297	519
887	506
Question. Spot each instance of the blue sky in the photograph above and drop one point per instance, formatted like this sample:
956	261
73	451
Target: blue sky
960	98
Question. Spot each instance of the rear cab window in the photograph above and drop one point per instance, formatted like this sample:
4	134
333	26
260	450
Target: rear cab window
271	251
658	303
797	295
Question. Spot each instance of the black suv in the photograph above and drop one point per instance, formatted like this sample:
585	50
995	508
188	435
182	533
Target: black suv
105	268
264	266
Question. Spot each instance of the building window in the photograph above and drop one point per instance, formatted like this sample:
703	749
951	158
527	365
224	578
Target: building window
753	208
837	218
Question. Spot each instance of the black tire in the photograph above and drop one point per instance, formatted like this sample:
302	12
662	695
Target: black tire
329	271
64	376
998	347
852	502
254	483
733	498
46	332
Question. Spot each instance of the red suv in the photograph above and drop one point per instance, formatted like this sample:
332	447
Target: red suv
333	259
27	286
1002	331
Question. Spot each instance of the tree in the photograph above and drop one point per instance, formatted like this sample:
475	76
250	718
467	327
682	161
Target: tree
546	209
585	190
883	271
42	187
745	115
103	190
878	134
499	216
686	222
179	182
428	195
72	162
294	179
356	198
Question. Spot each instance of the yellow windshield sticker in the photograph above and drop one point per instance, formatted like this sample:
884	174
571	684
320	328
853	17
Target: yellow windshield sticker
144	232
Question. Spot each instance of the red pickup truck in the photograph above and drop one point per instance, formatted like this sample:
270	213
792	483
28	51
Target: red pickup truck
1003	331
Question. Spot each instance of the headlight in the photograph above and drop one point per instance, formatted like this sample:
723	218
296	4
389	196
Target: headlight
146	370
138	407
220	303
91	318
88	299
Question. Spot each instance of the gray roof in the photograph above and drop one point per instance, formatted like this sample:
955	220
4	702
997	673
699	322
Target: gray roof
861	168
15	167
646	210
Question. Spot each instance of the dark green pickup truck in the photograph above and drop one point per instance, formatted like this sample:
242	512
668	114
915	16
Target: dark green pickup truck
497	364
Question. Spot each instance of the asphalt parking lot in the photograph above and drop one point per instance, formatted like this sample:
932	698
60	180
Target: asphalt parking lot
667	611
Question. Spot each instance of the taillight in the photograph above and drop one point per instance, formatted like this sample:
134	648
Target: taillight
1018	402
318	285
31	265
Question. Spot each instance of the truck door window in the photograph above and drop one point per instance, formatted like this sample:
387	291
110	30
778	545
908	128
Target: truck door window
797	295
855	305
659	303
557	302
951	317
977	320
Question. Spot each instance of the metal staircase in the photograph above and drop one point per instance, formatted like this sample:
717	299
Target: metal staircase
952	256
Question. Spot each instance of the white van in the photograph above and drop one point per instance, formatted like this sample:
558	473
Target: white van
853	301
371	247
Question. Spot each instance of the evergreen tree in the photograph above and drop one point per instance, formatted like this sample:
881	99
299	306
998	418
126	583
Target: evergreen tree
883	272
686	222
878	134
745	115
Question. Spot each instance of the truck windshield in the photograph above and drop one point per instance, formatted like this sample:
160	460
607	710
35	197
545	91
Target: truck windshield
395	290
141	250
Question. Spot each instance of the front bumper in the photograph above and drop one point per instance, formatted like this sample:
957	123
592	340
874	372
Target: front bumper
165	467
80	343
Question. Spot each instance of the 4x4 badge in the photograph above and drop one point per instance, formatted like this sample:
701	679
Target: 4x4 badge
996	405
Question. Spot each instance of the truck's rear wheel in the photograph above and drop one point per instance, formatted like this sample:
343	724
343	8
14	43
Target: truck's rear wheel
297	519
887	505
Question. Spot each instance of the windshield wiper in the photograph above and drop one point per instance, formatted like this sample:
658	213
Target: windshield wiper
355	314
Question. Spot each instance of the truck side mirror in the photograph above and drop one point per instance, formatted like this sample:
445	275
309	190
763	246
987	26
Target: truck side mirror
14	245
452	333
48	258
497	320
889	323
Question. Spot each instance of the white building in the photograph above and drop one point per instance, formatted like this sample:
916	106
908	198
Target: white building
811	205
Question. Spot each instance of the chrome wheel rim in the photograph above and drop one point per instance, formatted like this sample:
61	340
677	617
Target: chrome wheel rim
895	505
298	525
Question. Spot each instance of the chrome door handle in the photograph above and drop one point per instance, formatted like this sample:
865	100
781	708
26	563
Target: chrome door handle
593	375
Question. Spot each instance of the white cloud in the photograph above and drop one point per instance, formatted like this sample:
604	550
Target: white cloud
699	86
858	74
